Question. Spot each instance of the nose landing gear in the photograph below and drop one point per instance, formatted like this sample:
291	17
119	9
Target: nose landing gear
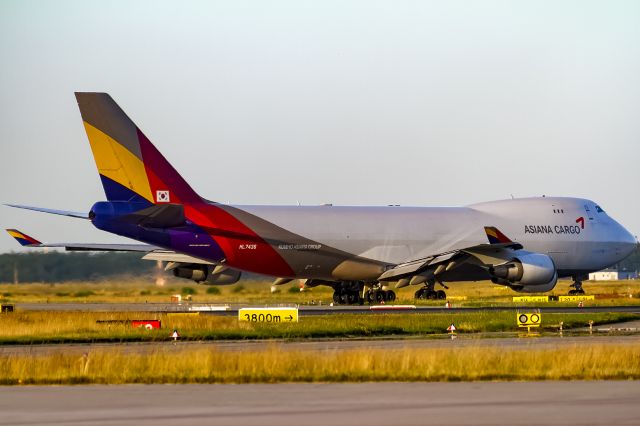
577	284
577	288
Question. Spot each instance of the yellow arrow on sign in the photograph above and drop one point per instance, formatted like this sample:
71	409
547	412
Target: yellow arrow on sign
268	315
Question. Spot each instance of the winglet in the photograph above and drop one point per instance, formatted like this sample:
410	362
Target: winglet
23	238
495	236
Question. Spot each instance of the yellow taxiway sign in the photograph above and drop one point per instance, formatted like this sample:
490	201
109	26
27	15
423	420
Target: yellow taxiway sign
269	315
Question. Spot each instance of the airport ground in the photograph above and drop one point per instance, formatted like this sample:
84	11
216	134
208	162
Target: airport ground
144	290
80	334
486	403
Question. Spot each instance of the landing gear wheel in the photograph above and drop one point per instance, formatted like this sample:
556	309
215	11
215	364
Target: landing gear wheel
344	299
380	296
440	295
391	296
370	297
577	287
336	297
420	293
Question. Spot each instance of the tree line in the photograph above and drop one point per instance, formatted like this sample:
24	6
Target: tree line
59	266
56	266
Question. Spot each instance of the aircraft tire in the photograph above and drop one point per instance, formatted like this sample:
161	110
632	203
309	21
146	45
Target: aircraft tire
380	296
391	296
370	297
336	297
440	295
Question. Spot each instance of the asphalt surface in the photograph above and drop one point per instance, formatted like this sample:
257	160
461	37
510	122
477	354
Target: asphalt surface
304	310
324	345
371	404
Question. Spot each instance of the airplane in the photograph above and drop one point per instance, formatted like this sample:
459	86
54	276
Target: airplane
359	251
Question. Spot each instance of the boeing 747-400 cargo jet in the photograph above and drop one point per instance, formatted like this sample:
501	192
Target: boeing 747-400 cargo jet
361	252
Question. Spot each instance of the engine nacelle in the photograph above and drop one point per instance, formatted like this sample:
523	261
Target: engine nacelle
527	273
207	274
226	277
536	288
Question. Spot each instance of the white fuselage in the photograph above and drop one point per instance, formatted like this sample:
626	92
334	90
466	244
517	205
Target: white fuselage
576	233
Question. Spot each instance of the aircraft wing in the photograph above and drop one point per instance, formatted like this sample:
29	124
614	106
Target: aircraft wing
420	270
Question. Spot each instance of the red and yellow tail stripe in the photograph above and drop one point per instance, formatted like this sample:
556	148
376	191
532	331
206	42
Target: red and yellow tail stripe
23	238
495	236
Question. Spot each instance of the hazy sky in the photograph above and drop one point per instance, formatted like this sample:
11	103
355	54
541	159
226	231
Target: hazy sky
361	102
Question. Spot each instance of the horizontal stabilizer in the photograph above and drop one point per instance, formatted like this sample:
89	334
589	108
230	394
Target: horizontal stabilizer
103	247
28	241
78	215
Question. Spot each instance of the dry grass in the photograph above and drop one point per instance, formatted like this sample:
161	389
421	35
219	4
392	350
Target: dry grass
598	362
67	327
141	291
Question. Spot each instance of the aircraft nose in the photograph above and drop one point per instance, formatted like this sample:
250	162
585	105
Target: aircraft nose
627	242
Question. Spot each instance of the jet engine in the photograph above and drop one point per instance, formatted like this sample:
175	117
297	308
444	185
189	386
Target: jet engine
526	273
207	274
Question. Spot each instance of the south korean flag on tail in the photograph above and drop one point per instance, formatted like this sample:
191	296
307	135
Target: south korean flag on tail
162	197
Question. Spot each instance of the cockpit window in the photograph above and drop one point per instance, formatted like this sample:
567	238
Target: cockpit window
599	209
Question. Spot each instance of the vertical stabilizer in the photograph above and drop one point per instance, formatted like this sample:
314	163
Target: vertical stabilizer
130	167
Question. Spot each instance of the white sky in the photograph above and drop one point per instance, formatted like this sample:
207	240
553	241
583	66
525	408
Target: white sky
361	102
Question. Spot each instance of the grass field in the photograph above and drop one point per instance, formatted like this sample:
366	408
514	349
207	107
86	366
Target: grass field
598	362
77	327
141	291
601	361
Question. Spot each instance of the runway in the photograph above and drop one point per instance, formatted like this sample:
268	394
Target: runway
304	310
496	340
475	403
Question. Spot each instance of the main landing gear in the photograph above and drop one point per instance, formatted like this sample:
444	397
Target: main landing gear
374	296
354	293
429	292
347	296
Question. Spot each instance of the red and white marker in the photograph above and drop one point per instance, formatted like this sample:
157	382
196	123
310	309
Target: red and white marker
451	328
175	335
391	307
447	305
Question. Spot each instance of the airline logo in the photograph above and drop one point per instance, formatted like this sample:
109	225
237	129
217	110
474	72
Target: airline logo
495	236
162	197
